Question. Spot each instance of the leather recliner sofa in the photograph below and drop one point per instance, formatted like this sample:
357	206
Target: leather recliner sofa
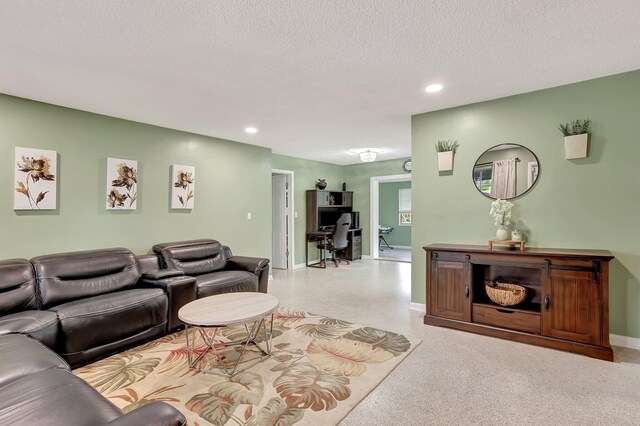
214	266
37	387
87	305
100	306
19	304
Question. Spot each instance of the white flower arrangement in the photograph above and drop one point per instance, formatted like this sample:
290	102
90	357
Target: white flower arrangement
501	211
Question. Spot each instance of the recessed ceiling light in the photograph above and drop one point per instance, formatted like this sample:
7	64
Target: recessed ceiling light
433	88
251	130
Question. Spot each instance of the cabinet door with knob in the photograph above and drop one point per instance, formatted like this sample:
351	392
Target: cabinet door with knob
571	305
450	288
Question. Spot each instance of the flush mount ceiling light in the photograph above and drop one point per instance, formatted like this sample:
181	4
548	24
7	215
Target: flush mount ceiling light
251	130
367	156
433	88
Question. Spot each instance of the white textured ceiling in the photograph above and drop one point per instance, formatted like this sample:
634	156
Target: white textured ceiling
317	78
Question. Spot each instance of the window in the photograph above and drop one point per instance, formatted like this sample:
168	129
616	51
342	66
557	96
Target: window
404	206
404	200
482	177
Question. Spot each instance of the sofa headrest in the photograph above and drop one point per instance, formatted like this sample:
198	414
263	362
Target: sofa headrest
195	257
148	262
65	277
17	286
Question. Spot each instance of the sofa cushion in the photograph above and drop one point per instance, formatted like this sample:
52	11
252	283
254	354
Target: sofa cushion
70	276
225	282
41	325
23	356
17	286
195	257
107	318
54	397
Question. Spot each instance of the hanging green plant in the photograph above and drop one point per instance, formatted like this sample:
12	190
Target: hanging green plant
576	127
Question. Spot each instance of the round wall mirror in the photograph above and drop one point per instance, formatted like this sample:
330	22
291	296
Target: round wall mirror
506	171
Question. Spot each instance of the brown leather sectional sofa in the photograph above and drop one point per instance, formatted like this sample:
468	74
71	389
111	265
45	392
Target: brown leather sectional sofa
64	310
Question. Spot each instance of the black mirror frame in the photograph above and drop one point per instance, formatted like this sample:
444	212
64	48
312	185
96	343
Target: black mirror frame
500	144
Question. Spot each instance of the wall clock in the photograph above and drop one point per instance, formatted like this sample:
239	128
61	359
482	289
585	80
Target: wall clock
406	166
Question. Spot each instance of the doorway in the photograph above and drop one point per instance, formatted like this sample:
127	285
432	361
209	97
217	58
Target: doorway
282	250
390	225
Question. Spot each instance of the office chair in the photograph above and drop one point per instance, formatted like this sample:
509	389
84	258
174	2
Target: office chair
338	241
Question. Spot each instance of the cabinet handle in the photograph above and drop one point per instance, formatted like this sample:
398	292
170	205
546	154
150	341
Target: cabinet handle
546	302
466	292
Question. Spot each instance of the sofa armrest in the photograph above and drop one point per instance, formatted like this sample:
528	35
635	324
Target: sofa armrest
249	264
152	414
180	289
158	274
255	265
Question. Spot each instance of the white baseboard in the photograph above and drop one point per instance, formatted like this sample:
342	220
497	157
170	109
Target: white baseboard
402	247
623	341
270	277
420	307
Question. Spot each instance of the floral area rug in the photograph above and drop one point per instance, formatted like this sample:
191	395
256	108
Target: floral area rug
319	370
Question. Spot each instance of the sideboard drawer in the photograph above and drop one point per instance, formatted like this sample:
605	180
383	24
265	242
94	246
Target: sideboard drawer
507	318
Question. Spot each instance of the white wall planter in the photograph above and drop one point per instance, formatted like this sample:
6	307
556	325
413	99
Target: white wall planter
576	146
445	161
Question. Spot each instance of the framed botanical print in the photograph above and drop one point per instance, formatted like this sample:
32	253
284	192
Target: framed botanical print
183	186
35	179
122	184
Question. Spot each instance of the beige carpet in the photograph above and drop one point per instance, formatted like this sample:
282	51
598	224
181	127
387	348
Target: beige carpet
319	370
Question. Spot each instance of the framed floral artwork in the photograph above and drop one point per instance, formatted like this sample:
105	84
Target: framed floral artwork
35	179
405	218
122	184
183	186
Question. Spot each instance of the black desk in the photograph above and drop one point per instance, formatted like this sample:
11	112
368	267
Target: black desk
353	250
316	237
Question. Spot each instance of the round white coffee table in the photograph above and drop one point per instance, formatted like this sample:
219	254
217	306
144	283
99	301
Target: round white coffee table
223	310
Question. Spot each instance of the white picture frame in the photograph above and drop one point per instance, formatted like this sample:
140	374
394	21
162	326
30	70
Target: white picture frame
183	187
404	219
122	184
532	173
35	177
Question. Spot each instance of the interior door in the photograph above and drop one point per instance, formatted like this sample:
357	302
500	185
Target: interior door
279	218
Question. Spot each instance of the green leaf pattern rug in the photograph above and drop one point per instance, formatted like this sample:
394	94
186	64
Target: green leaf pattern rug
319	370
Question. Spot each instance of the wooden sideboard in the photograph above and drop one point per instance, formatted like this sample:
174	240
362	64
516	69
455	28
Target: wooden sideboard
567	303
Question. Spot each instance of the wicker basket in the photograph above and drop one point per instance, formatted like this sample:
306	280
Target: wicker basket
505	294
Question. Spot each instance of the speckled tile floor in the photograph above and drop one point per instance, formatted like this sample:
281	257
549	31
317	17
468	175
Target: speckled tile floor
461	378
397	253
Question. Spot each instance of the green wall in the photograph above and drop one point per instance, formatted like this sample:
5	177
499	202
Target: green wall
232	179
306	172
389	213
358	178
585	203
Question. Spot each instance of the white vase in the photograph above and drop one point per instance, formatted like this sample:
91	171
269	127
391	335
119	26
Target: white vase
502	233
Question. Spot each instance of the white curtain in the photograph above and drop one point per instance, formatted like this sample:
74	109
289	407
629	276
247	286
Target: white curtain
503	179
